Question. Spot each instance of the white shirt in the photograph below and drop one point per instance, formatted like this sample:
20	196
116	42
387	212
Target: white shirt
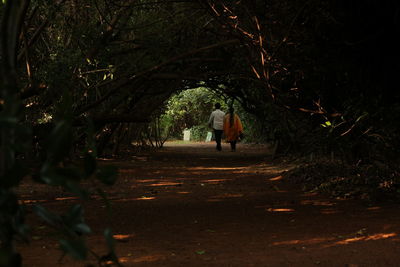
217	119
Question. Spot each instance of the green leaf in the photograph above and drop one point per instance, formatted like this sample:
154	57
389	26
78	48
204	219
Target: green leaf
200	252
74	220
76	248
50	176
60	176
49	217
110	242
75	214
82	228
108	235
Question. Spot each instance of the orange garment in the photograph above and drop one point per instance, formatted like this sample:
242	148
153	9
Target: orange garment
232	133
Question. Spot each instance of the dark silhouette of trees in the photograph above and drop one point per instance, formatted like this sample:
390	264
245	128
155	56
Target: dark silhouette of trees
320	75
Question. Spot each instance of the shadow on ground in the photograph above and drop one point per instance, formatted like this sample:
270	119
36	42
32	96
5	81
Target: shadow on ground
189	205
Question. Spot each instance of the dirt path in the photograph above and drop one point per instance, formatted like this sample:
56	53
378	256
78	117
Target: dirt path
189	205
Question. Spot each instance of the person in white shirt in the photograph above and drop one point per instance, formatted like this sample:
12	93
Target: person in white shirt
216	122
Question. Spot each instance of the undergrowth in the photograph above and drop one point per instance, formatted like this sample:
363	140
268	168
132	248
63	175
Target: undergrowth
371	182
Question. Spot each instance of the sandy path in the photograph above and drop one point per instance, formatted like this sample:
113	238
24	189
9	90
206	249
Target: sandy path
189	205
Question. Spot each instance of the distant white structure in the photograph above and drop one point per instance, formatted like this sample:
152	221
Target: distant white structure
209	136
186	135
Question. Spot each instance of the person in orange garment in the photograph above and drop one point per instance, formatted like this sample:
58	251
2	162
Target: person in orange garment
233	129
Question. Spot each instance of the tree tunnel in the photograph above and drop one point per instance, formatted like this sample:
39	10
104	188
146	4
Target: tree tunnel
77	78
304	69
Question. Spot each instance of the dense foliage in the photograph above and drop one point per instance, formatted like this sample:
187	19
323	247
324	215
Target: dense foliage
296	66
191	109
80	79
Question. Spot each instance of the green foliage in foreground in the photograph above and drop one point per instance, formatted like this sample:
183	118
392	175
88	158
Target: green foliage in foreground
56	168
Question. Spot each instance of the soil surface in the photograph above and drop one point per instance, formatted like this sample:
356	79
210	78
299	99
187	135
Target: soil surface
190	205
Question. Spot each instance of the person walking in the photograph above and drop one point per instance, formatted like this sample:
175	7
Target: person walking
233	128
216	122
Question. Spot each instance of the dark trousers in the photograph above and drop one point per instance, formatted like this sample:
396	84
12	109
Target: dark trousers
233	145
218	137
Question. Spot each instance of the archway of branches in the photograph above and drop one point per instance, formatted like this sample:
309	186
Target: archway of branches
303	68
77	75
